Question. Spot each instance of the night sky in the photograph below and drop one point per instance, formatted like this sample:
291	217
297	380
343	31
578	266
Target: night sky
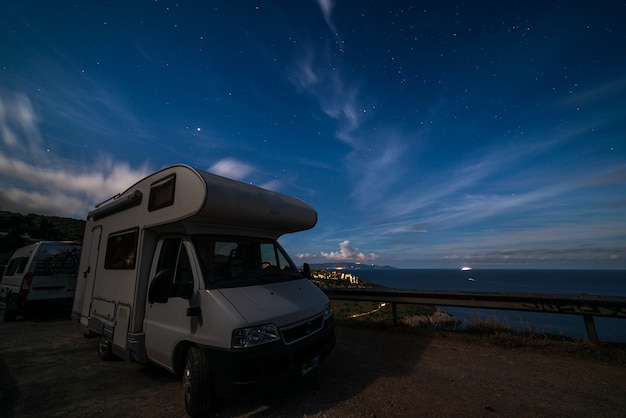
426	134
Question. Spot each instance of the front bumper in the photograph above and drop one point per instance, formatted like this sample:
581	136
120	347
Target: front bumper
249	371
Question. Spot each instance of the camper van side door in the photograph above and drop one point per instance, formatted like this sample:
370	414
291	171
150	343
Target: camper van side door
167	320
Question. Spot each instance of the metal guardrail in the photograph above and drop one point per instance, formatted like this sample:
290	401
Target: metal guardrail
588	306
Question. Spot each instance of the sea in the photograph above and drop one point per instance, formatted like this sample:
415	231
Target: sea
591	282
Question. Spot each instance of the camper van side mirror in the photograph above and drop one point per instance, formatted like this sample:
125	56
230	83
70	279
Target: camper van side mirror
306	271
160	287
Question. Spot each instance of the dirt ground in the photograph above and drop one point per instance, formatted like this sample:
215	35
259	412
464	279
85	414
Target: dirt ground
47	368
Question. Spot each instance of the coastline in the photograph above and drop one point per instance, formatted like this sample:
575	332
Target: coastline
435	317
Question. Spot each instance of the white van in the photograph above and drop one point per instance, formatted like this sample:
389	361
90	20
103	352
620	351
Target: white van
39	276
183	270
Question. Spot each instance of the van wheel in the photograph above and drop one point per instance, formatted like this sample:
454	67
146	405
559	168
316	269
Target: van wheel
9	314
197	383
105	351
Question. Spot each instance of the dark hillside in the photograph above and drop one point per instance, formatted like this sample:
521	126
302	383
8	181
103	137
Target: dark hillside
17	230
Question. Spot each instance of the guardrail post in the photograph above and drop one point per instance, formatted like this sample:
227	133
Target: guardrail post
590	326
394	310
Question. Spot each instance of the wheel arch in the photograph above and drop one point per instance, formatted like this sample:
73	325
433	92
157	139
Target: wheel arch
179	356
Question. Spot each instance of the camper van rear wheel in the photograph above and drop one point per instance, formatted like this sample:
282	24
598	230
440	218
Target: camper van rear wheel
105	351
197	383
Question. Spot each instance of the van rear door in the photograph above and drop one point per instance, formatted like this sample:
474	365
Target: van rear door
54	267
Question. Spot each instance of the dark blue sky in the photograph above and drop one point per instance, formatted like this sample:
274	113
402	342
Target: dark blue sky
426	134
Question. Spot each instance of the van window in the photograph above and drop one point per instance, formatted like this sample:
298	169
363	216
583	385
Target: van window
183	269
121	250
169	254
22	265
162	193
174	256
57	259
16	266
240	261
271	255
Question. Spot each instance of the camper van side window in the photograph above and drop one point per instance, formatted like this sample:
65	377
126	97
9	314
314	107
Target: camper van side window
121	248
162	193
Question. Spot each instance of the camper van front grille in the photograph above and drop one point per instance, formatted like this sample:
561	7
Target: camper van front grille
296	332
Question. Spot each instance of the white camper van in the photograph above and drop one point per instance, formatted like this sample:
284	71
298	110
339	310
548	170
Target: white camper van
183	269
39	276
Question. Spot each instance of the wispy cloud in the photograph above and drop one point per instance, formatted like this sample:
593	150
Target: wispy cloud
274	185
456	195
337	98
18	124
232	168
238	170
375	159
306	76
573	256
602	93
346	253
526	183
39	181
525	205
327	7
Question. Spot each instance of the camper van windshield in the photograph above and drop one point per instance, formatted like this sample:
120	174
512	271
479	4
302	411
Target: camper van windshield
239	261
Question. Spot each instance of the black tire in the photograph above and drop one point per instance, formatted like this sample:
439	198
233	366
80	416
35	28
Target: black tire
9	315
105	349
197	383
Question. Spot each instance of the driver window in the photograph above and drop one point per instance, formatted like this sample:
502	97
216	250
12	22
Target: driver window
174	256
183	272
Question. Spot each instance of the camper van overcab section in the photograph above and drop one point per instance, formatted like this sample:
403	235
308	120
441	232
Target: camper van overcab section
184	270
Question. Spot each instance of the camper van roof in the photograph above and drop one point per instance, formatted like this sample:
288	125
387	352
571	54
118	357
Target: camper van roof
182	194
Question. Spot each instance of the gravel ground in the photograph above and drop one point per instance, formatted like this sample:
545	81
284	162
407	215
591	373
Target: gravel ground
48	369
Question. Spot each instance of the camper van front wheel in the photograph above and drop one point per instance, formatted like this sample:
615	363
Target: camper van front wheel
197	383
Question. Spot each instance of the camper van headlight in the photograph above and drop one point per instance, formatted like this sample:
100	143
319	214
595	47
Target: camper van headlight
252	336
